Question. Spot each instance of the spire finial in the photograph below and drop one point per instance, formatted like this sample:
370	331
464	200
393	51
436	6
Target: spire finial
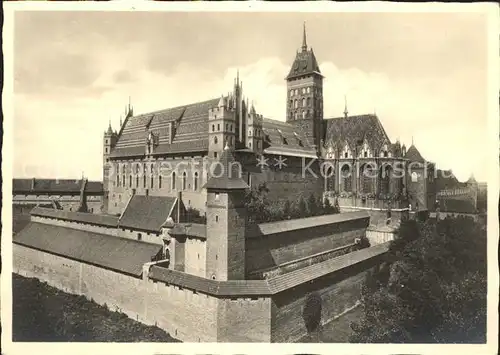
411	140
304	39
238	76
346	113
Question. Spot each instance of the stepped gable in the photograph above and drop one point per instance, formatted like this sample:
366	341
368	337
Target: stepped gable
227	174
110	252
148	213
354	130
414	155
282	138
190	127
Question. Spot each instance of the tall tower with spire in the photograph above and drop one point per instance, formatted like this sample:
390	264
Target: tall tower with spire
305	93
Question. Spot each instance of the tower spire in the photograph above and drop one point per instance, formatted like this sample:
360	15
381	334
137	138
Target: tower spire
304	39
346	113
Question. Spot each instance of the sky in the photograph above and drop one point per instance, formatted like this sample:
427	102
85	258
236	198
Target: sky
423	74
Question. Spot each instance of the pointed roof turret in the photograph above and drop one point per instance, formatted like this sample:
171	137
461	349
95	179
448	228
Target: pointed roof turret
226	174
305	62
346	113
110	130
414	155
471	180
222	101
304	39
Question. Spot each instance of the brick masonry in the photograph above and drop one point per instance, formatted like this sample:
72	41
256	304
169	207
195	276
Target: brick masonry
193	316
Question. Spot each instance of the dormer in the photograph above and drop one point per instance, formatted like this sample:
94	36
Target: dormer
385	151
151	142
282	136
299	141
346	152
365	151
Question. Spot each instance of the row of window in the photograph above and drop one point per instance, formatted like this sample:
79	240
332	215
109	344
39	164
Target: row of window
229	127
295	92
173	181
298	114
305	102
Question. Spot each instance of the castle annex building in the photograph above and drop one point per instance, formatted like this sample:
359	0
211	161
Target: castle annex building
359	154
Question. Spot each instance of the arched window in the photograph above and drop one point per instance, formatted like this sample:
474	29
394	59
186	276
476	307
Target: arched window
304	102
291	103
195	181
216	140
137	181
414	177
159	181
152	175
231	127
173	180
308	101
296	104
184	178
227	126
213	128
346	178
303	114
218	127
308	90
366	178
130	180
385	179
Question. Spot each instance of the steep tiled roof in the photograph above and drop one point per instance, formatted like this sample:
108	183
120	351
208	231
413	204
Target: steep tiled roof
89	218
285	139
304	223
22	186
305	63
414	155
147	213
190	124
190	229
120	254
227	174
354	130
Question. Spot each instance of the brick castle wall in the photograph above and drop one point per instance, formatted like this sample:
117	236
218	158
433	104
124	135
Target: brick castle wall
194	316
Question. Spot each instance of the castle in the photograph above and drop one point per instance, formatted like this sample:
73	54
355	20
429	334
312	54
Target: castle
228	280
350	157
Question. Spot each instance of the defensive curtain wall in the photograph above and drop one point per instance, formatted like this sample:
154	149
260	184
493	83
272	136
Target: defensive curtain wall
118	272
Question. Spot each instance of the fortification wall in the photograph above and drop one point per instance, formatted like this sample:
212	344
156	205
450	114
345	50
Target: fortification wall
275	249
195	257
244	320
338	293
186	315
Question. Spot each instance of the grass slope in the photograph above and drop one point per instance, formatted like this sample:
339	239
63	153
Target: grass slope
43	313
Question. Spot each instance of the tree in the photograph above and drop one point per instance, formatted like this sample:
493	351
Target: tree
432	287
312	206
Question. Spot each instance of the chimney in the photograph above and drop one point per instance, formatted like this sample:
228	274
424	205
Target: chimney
33	184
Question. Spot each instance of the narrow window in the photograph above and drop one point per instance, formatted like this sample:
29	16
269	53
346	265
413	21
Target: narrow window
213	128
130	181
215	154
195	183
139	236
173	180
216	218
184	176
218	127
159	182
216	140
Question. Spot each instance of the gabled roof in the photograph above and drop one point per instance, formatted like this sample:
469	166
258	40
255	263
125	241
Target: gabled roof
414	155
305	223
54	186
190	130
285	139
354	130
90	218
120	254
147	213
190	229
227	174
305	63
